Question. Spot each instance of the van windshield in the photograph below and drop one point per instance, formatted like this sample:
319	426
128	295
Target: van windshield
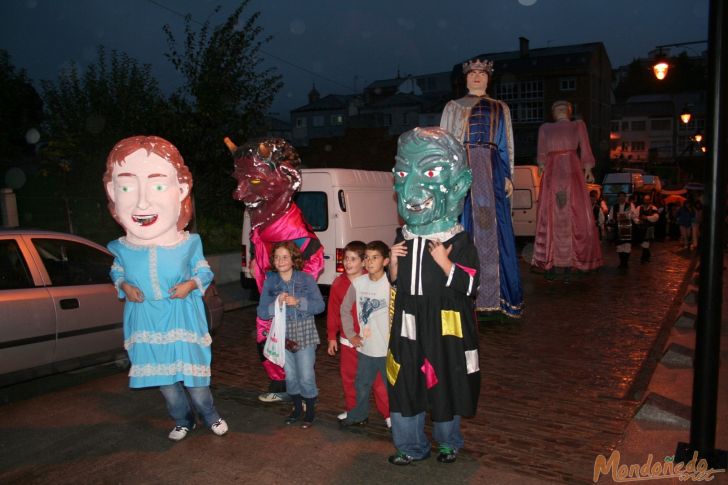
314	206
617	188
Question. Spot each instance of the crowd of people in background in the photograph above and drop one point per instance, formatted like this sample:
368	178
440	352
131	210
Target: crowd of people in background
641	218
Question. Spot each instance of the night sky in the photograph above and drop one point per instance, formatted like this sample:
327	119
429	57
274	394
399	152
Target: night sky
342	45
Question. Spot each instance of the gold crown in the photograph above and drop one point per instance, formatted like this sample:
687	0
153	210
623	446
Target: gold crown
478	65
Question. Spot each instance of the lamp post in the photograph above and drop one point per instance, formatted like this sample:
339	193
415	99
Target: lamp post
707	326
661	66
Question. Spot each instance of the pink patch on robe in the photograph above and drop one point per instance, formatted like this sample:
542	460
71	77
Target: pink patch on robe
430	376
470	271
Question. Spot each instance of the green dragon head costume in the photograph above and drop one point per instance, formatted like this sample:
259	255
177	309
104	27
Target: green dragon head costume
431	178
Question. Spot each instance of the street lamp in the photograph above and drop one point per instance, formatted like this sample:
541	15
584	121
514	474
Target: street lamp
660	68
661	65
698	137
685	115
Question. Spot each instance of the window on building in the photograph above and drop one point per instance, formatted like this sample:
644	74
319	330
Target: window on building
638	146
387	119
614	126
531	111
663	148
625	146
337	120
301	122
625	126
506	91
663	124
567	84
613	144
639	126
404	119
700	124
318	121
532	89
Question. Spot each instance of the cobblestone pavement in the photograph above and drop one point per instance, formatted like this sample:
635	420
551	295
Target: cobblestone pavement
559	385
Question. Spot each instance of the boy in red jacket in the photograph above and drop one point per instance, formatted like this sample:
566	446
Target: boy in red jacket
353	268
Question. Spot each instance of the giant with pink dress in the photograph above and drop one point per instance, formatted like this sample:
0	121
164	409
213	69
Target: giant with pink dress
566	235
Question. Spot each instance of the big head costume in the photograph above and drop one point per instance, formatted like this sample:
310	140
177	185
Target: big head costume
162	273
268	175
432	363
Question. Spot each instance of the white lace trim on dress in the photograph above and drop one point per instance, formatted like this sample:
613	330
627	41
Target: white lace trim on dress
163	338
149	370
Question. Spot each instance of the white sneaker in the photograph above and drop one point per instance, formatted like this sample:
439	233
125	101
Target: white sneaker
178	433
219	427
388	422
270	397
342	416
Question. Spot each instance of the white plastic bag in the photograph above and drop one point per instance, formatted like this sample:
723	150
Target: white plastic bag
275	344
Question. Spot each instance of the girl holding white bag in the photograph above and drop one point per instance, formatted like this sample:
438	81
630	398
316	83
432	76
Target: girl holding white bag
298	298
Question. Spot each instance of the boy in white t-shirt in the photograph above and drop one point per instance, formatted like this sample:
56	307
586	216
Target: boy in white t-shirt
371	294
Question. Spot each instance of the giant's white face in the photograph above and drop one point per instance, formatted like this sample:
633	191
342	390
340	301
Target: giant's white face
147	198
477	82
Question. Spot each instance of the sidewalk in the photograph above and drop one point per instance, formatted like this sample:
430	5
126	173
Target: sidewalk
658	430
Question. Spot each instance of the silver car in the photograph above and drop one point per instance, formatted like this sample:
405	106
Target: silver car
58	308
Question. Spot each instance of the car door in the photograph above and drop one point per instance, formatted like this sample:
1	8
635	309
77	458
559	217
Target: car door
28	323
88	312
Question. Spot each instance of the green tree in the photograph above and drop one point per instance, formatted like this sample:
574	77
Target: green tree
88	112
22	109
226	92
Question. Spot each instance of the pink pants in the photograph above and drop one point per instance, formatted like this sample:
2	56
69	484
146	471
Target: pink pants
348	363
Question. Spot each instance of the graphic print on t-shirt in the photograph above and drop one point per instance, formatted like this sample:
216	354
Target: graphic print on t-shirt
369	306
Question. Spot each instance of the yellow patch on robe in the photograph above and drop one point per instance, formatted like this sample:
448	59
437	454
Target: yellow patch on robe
392	369
451	323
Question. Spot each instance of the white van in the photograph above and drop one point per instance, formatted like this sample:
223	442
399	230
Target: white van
614	183
341	205
524	202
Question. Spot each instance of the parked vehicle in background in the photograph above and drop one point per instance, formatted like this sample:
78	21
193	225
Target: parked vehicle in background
340	205
651	184
524	203
59	309
614	183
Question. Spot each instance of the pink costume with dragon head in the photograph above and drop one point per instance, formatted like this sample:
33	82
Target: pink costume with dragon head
268	176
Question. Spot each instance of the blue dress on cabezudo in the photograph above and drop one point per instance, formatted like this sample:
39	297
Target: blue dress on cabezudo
167	339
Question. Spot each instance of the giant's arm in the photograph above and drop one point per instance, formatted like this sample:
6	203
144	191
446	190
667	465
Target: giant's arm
509	155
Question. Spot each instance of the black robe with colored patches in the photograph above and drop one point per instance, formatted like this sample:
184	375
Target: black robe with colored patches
423	293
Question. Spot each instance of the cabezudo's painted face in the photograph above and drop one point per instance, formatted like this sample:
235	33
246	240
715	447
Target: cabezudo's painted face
477	80
147	198
267	179
258	182
431	180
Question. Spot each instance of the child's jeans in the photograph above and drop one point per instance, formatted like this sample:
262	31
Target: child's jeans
180	400
366	372
300	376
